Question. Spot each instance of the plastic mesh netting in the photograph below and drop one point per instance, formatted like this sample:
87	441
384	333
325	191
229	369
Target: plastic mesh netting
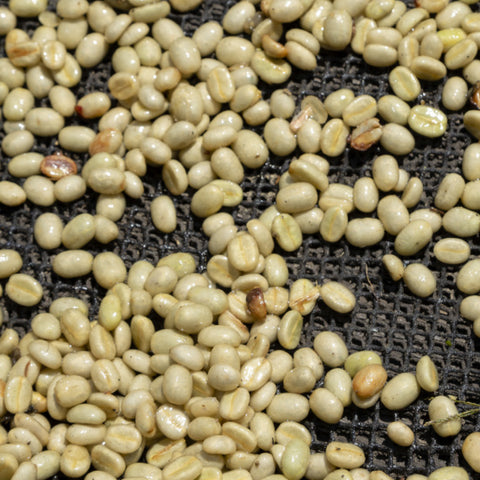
387	318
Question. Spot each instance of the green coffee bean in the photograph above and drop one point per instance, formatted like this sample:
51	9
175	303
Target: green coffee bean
295	459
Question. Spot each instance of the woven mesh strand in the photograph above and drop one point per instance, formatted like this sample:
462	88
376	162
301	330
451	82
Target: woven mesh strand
386	319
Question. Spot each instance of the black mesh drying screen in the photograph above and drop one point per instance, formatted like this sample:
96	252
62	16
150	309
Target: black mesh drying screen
387	318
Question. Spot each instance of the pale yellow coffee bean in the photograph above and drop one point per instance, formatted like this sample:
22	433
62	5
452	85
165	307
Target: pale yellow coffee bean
250	149
201	428
107	460
469	447
397	139
78	231
333	139
338	382
467	277
123	439
470	195
331	348
61	304
75	461
326	406
400	433
71	390
427	121
400	391
296	198
469	307
393	109
470	164
413	237
281	364
359	109
428	68
17	394
404	83
70	188
140	469
110	312
255	373
10	262
76	138
427	374
461	222
393	213
339	473
413	192
11	194
442	408
44	122
394	266
337	296
385	172
270	70
455	93
455	473
365	195
177	385
451	250
207	201
75	326
87	414
334	224
337	29
419	279
260	399
45	353
286	232
288	431
364	232
233	50
345	455
430	216
289	329
183	468
461	54
288	406
24	289
39	190
72	263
